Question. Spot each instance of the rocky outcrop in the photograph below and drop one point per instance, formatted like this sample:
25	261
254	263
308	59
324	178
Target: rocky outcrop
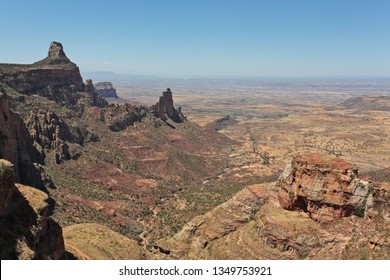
49	133
56	52
95	98
26	230
17	146
118	117
89	88
52	135
165	110
326	188
106	90
54	77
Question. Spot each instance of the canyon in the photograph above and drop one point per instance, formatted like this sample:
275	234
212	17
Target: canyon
218	177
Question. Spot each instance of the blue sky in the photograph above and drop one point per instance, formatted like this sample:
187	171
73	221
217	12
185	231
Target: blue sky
227	38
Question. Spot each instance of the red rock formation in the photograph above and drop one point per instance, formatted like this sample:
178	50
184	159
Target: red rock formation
326	188
16	145
165	110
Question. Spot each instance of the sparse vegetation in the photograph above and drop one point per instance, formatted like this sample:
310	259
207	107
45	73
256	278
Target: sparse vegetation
94	241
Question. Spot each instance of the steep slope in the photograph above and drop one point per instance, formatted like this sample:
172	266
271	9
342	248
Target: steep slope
326	188
94	241
26	230
110	164
254	225
17	147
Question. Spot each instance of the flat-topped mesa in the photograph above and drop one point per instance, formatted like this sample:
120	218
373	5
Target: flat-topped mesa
324	187
165	110
106	90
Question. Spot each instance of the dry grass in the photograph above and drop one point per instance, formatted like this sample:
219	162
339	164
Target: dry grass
5	166
36	198
94	241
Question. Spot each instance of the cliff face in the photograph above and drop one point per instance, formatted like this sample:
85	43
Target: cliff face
165	110
7	189
326	188
26	230
96	99
49	132
117	117
54	77
106	90
17	146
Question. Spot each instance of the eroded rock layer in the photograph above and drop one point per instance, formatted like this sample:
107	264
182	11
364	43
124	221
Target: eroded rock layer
17	146
326	188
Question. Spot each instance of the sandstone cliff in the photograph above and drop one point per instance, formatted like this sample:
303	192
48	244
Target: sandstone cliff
351	222
54	77
96	99
17	146
325	188
26	230
165	110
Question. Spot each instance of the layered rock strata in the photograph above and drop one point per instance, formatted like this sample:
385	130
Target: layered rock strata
326	188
